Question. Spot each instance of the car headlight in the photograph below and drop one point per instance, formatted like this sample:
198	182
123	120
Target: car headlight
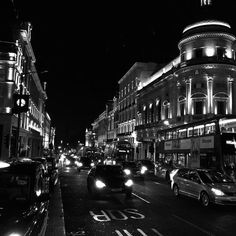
67	162
217	192
129	183
14	234
127	171
143	169
99	184
79	164
92	164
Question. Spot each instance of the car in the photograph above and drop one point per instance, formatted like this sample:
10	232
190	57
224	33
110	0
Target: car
206	185
52	171
108	179
146	166
84	163
70	161
163	170
24	199
131	169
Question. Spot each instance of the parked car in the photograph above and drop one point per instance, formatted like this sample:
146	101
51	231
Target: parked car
24	199
146	166
84	163
52	171
131	169
108	179
163	170
208	186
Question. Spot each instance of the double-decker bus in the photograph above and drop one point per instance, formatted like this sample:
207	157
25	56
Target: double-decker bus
208	143
121	150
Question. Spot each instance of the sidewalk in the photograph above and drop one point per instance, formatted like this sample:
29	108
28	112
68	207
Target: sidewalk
56	226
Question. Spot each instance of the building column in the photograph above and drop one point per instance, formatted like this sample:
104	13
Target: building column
230	95
178	104
188	96
210	94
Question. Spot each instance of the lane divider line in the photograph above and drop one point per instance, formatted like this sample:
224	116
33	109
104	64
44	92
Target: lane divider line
141	198
127	232
193	225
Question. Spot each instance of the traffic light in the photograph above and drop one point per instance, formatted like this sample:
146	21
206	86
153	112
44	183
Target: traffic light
21	103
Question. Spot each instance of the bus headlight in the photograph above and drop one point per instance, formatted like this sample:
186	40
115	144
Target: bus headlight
127	171
129	183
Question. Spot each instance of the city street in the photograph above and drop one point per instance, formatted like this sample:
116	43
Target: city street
152	210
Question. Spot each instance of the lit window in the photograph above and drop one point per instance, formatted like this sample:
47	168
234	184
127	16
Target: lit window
228	53
189	55
210	51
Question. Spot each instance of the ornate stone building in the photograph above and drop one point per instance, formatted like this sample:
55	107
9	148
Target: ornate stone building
198	84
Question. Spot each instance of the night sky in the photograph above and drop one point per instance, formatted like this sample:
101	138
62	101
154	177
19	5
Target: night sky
87	47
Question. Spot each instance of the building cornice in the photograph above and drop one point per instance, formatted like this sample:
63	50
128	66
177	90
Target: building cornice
206	35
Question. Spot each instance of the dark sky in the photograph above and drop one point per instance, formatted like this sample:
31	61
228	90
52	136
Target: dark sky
87	46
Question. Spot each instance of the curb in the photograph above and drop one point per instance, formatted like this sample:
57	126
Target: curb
56	224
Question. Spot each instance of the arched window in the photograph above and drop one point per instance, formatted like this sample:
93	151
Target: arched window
166	109
181	106
220	103
199	104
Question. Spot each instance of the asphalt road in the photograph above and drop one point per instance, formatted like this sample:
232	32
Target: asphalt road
152	210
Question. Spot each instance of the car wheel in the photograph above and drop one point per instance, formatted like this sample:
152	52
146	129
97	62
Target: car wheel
176	190
205	200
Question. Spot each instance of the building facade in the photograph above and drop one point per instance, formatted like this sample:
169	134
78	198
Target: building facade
127	104
198	84
21	133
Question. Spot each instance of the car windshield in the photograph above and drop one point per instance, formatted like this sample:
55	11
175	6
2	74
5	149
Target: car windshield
109	170
14	187
214	177
146	162
129	164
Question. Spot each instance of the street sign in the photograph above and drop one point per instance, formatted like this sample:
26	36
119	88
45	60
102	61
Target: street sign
21	103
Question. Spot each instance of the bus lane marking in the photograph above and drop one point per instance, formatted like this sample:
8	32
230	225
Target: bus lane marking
109	215
193	225
119	233
141	198
157	232
141	232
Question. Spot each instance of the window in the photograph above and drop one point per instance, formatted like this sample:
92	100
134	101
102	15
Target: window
198	53
198	107
221	107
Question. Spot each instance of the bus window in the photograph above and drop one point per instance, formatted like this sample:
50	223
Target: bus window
210	128
198	130
182	133
190	132
175	134
227	125
168	135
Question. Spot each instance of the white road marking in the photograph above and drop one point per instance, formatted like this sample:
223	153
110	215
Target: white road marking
127	232
193	225
157	232
141	198
157	183
141	232
118	232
